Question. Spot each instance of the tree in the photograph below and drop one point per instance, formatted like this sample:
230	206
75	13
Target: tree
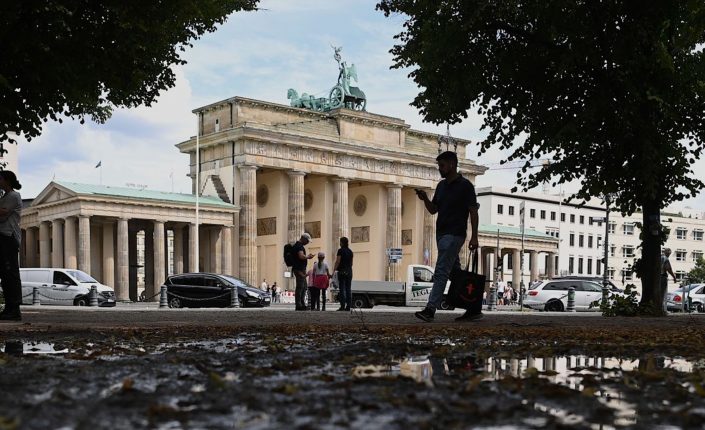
83	58
612	91
697	274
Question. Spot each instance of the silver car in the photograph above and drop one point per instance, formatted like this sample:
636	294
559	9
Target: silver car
694	292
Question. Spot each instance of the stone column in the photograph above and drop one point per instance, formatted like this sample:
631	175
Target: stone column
193	264
550	266
70	243
248	223
393	228
122	288
108	255
429	235
296	206
31	247
534	258
516	269
84	243
480	262
44	245
216	250
57	246
227	253
341	222
159	257
178	249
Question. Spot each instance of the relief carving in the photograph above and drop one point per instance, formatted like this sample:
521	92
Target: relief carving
360	205
262	195
266	226
360	234
313	228
406	237
308	199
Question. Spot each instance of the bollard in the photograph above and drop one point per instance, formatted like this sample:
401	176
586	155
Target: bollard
93	296
163	300
35	296
571	300
605	295
492	302
234	302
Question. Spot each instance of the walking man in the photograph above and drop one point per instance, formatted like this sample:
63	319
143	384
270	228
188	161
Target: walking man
453	201
666	269
299	269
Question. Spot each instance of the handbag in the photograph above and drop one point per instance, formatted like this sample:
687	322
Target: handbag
467	287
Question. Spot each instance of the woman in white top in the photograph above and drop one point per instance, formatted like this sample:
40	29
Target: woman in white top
10	237
321	275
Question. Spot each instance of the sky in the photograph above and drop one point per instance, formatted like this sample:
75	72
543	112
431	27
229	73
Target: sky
260	55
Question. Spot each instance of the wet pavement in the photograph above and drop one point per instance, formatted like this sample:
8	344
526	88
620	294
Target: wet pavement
498	374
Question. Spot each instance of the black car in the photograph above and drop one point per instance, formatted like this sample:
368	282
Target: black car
210	290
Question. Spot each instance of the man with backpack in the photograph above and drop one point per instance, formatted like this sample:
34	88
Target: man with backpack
295	257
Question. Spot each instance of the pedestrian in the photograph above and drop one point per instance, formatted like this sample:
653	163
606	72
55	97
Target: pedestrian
299	269
264	286
275	293
321	275
508	295
10	237
343	267
666	269
501	288
454	201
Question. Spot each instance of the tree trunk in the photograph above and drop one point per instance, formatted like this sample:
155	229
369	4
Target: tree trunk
653	294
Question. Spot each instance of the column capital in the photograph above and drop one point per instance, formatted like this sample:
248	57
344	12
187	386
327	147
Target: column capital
394	186
247	167
339	179
296	173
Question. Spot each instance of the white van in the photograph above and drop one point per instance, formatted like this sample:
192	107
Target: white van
63	287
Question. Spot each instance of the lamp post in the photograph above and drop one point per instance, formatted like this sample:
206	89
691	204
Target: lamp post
605	274
197	244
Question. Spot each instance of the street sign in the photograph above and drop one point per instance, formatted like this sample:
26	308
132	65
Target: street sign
394	251
597	219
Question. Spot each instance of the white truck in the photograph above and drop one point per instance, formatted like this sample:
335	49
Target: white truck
413	292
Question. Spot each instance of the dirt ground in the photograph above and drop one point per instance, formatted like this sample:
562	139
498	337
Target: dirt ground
378	370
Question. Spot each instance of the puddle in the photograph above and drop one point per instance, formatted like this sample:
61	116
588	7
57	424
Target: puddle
27	348
600	377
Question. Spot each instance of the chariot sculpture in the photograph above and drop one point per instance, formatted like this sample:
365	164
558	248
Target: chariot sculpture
341	95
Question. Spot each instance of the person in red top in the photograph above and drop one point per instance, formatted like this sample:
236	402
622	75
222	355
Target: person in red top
321	275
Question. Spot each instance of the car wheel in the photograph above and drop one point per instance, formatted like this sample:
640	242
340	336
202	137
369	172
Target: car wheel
445	306
81	301
175	303
699	307
554	306
360	302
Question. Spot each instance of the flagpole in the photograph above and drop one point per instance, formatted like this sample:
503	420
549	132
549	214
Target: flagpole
198	189
100	173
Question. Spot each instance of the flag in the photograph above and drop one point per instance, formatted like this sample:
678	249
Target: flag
99	164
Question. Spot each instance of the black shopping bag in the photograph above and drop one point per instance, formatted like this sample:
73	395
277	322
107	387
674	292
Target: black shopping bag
467	287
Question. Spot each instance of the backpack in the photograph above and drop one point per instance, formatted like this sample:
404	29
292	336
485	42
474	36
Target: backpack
289	255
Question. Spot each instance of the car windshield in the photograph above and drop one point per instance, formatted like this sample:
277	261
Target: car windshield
235	281
81	277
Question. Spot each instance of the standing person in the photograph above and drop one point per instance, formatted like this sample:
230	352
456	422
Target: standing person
665	271
10	237
321	275
343	265
264	286
453	201
501	288
275	293
299	269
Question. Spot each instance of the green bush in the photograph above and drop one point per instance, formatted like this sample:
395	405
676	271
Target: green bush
625	305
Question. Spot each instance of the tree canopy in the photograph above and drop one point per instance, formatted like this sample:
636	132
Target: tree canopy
612	91
697	274
83	58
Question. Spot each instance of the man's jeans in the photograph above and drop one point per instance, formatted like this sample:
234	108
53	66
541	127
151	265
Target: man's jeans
449	247
300	293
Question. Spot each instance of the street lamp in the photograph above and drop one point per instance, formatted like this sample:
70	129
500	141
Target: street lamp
198	192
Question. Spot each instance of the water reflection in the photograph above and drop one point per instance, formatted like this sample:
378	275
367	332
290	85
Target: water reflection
601	377
17	347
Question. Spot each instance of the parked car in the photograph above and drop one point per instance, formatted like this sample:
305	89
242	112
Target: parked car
597	279
696	293
552	295
210	290
63	287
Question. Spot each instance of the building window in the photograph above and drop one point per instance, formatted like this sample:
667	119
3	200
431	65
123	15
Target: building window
680	255
532	213
553	216
581	240
627	251
590	220
217	125
598	267
589	241
599	241
613	250
680	274
698	235
572	218
610	273
681	233
562	217
543	214
589	266
511	210
613	227
571	264
697	255
582	219
580	266
628	229
572	239
626	274
500	209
